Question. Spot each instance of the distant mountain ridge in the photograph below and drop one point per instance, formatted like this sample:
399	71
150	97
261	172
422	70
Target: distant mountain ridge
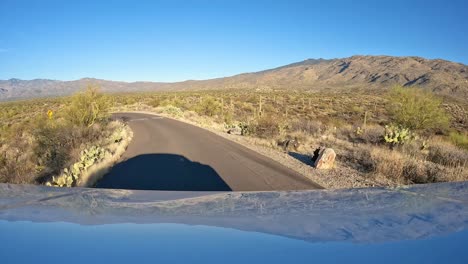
376	72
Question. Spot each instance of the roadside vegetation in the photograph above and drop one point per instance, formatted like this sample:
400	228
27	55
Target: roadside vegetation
56	141
382	138
402	136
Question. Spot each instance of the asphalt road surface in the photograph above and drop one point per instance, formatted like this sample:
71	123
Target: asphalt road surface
166	154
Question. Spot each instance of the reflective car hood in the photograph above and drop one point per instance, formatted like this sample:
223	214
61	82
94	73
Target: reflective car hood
421	223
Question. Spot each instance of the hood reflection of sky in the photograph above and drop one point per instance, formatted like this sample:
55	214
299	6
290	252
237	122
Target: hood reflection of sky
420	224
24	242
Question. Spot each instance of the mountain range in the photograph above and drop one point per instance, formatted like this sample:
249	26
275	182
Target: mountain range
357	72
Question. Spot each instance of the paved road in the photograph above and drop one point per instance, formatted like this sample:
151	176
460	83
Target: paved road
166	154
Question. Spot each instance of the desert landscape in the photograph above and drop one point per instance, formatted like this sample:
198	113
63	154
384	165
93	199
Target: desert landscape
298	131
390	121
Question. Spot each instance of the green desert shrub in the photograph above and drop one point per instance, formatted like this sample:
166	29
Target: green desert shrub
155	102
52	145
170	110
88	107
228	117
57	141
44	136
459	139
174	101
417	109
209	106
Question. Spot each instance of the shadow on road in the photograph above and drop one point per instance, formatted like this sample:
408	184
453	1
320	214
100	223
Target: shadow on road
163	172
302	158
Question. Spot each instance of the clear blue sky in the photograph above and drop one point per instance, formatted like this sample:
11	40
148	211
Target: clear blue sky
179	40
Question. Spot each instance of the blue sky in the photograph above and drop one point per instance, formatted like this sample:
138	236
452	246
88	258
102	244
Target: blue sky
179	40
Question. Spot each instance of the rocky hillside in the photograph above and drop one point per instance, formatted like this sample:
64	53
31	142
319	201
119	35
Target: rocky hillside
357	72
360	71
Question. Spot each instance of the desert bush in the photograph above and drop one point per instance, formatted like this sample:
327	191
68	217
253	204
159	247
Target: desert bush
3	165
416	171
372	134
268	109
417	109
446	154
267	127
246	107
459	139
170	110
155	102
359	158
209	106
87	107
345	133
52	147
174	101
44	136
311	127
56	141
15	171
228	118
388	163
416	148
16	164
407	170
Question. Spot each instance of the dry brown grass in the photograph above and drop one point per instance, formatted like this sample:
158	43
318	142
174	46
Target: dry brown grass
372	134
407	170
388	163
356	157
444	153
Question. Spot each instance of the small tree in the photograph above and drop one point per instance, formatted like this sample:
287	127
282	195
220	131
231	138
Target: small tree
209	106
417	109
87	107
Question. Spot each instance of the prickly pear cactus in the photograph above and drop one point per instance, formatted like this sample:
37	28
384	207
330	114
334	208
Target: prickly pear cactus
397	134
71	175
